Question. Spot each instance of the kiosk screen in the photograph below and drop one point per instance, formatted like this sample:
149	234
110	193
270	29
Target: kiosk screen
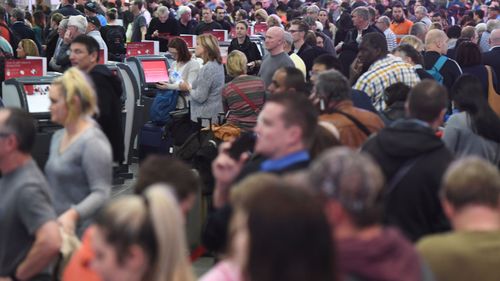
37	97
155	70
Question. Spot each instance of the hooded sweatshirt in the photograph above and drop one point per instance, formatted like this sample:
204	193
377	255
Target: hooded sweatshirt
413	204
387	257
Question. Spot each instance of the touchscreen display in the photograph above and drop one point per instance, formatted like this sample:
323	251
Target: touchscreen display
37	97
155	70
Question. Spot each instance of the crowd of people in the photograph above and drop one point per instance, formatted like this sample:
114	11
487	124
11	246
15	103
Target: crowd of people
373	134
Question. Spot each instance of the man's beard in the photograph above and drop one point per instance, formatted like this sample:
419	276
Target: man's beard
400	20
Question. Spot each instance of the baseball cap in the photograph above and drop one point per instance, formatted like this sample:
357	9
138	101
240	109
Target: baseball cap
91	6
95	21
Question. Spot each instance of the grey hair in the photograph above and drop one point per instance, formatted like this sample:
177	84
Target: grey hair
182	10
385	20
362	12
422	9
333	86
162	10
492	25
418	28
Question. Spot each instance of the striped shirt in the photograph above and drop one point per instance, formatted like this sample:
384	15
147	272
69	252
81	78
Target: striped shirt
391	39
242	115
382	74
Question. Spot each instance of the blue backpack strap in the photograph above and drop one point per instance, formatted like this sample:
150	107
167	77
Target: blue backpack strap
440	62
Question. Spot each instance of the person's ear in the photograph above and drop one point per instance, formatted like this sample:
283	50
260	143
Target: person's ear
136	259
294	133
448	209
93	56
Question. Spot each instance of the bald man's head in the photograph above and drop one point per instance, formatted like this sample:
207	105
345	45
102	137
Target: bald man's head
436	41
274	40
495	38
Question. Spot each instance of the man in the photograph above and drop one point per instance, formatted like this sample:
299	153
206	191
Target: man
91	11
422	16
352	186
400	25
334	10
413	160
20	30
478	16
436	46
484	42
85	56
220	18
419	30
492	57
93	25
140	25
288	48
207	24
67	8
61	31
334	95
275	57
186	24
382	69
383	23
469	33
413	57
313	11
287	80
494	12
285	130
30	239
361	21
307	53
470	193
327	62
77	25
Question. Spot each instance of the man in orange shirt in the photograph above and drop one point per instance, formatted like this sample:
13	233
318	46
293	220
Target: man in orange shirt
400	25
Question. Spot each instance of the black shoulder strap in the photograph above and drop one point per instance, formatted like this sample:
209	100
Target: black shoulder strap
354	120
402	172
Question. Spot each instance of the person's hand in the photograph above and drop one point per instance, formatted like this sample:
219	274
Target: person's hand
5	279
68	220
251	64
161	85
67	37
225	168
184	86
155	34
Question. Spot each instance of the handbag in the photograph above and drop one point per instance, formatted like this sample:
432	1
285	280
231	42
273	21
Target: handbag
493	96
165	102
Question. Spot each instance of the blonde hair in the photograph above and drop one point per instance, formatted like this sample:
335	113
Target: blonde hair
29	47
273	20
211	46
76	83
155	223
262	13
413	41
236	63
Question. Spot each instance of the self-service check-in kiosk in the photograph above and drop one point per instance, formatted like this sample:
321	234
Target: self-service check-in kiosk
131	109
32	95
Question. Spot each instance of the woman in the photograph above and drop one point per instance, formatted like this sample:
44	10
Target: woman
264	253
39	26
114	36
80	160
469	58
261	16
243	97
162	27
328	27
273	20
27	47
476	129
205	94
183	70
141	238
242	43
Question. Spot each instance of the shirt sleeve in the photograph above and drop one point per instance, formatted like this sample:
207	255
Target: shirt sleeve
97	165
34	207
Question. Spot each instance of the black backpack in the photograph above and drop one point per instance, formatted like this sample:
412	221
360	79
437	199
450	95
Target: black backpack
115	40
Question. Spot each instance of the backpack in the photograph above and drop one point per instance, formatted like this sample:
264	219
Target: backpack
14	38
165	101
434	71
115	40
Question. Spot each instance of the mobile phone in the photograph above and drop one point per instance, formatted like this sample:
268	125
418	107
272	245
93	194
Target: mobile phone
245	143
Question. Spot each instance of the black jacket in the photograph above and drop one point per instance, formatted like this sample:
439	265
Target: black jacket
68	10
350	48
308	53
413	205
250	50
109	90
22	31
450	71
170	27
492	58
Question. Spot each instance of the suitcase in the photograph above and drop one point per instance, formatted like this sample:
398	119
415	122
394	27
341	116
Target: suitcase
153	140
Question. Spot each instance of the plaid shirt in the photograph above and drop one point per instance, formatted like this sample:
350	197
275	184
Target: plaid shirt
382	74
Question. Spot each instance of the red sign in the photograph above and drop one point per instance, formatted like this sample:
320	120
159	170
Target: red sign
260	28
189	39
220	34
23	67
140	49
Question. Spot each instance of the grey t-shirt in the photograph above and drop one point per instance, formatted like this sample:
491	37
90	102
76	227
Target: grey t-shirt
139	21
271	63
80	176
25	205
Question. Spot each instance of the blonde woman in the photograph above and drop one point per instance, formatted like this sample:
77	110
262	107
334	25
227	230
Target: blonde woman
206	89
27	47
141	238
79	167
413	41
261	16
244	96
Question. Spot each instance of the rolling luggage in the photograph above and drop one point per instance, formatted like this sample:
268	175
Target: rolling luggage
153	140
